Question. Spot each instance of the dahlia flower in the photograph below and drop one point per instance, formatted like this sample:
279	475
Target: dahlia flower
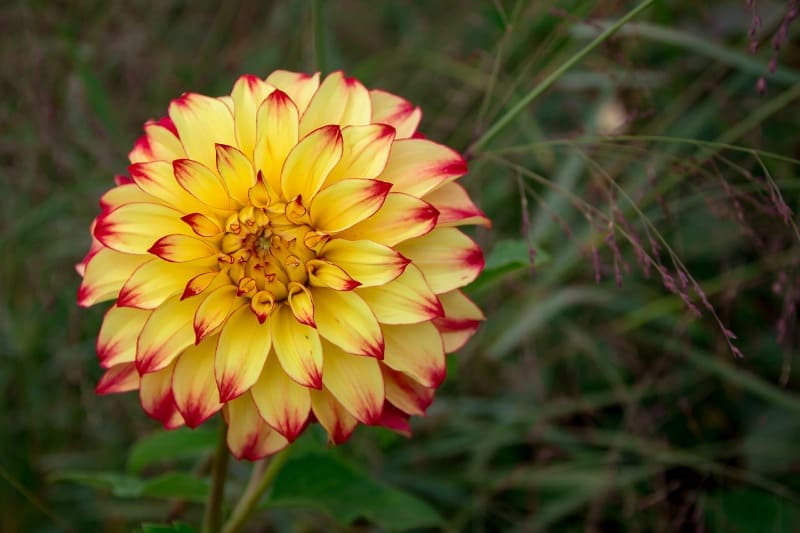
285	254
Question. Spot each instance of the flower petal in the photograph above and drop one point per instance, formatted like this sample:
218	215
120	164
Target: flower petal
202	183
277	124
339	100
105	274
417	166
401	217
248	93
236	171
447	258
367	262
155	281
347	202
309	163
167	332
243	346
301	304
299	86
119	378
356	382
155	395
133	228
116	342
394	419
455	206
406	393
213	311
461	320
159	143
405	300
365	150
423	359
202	122
249	437
332	416
297	346
283	403
182	248
157	178
345	320
395	111
193	383
129	193
325	274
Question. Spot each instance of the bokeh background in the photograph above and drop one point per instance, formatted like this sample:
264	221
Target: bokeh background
638	367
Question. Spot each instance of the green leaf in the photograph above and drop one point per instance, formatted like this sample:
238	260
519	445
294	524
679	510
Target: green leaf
751	511
181	443
169	486
506	257
346	494
174	527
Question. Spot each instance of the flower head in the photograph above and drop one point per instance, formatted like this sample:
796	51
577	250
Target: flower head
284	254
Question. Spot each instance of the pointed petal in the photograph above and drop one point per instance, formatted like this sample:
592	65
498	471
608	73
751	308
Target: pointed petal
422	358
346	321
155	281
200	283
309	163
133	228
356	382
157	178
365	150
214	309
461	320
301	304
283	403
395	419
201	225
455	206
249	437
402	217
417	166
129	193
202	183
248	93
182	248
332	416
447	258
406	393
167	332
277	124
236	171
155	395
193	384
406	300
159	142
367	262
297	346
339	100
395	111
326	274
105	274
299	86
347	202
202	122
116	342
119	378
243	346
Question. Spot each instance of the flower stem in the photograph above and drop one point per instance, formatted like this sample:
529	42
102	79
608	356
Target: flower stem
260	481
212	520
546	83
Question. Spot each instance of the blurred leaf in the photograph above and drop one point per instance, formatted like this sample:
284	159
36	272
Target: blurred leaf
506	257
175	527
165	445
170	486
346	494
751	511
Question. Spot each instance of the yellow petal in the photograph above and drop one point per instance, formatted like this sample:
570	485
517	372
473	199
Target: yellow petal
347	202
367	262
202	183
422	359
249	437
159	143
356	382
202	122
129	193
345	320
157	178
283	403
193	384
365	150
406	393
116	342
395	111
447	258
167	332
299	86
236	171
202	225
243	346
155	394
406	300
248	93
276	135
401	217
105	274
155	281
301	304
339	100
461	320
183	248
326	274
455	206
416	166
309	163
297	346
119	378
133	228
332	416
214	309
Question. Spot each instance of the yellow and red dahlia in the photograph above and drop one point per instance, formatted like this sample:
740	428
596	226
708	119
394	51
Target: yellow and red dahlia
284	254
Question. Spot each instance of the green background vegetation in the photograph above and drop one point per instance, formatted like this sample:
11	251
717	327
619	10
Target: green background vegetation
582	403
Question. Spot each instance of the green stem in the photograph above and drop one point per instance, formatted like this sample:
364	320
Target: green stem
317	32
212	521
546	83
258	485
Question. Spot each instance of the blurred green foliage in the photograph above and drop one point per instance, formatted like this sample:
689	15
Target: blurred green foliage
602	393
